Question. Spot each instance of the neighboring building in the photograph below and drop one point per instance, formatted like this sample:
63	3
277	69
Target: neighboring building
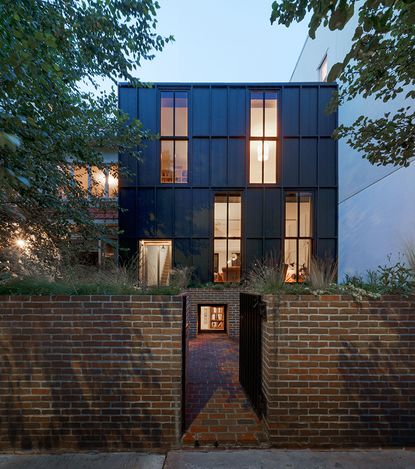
240	171
376	215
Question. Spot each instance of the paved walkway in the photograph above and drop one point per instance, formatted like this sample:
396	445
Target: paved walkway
218	412
219	459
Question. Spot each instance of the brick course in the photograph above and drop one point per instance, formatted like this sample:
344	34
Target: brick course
90	372
337	373
205	296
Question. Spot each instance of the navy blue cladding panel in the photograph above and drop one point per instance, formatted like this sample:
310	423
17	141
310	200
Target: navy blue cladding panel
201	212
183	212
308	162
326	223
128	101
200	162
127	219
147	167
148	108
291	105
218	157
253	251
308	110
237	111
327	122
127	170
326	248
327	168
290	161
164	220
182	253
201	258
219	112
146	213
272	213
201	111
253	213
272	248
236	162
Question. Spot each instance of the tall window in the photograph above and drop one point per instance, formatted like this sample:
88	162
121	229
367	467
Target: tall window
174	137
227	242
263	140
298	235
323	69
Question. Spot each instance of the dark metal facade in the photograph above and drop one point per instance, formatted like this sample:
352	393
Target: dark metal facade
219	127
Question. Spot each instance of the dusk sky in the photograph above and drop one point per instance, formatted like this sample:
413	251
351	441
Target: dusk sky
223	41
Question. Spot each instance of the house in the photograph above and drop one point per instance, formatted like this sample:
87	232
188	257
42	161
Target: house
241	171
376	216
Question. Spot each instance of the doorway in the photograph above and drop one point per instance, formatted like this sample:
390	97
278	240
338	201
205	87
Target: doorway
155	262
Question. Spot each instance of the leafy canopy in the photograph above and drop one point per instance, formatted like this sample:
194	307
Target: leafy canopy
380	63
51	52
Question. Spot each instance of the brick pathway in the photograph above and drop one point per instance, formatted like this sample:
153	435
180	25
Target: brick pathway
217	410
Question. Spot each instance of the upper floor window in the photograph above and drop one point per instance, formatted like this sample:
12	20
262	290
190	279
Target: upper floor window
174	133
323	70
263	138
99	182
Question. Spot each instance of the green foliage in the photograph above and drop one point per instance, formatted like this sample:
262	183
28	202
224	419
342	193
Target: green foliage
181	277
51	53
322	274
380	63
266	276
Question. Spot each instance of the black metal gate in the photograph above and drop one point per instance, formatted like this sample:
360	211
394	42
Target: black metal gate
252	311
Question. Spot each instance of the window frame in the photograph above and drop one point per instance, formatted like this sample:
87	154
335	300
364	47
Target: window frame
264	138
299	238
174	138
227	237
106	188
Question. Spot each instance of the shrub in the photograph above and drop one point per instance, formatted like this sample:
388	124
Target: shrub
322	273
266	276
181	277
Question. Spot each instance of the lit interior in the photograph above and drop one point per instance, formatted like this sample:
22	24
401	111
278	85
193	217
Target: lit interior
212	318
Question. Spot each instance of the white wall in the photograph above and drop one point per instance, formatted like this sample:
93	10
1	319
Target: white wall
376	203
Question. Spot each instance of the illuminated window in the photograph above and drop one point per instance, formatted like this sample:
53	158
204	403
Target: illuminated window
298	235
323	70
263	143
227	242
98	182
174	133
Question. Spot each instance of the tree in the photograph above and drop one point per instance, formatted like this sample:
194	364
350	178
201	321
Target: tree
48	123
380	63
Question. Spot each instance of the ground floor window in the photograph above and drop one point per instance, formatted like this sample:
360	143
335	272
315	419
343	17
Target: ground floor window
212	318
227	242
298	239
155	259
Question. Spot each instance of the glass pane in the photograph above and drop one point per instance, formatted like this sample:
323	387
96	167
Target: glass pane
212	318
220	216
306	226
291	215
166	161
255	162
180	114
270	114
81	176
290	260
98	181
234	217
232	272
257	116
181	161
304	256
166	124
270	162
219	259
112	182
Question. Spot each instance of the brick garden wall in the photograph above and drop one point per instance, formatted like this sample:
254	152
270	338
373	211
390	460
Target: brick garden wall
93	372
205	296
337	373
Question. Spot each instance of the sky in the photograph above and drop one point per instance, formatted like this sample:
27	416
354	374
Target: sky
223	41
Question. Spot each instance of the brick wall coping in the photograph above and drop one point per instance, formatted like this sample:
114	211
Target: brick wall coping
322	298
103	298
